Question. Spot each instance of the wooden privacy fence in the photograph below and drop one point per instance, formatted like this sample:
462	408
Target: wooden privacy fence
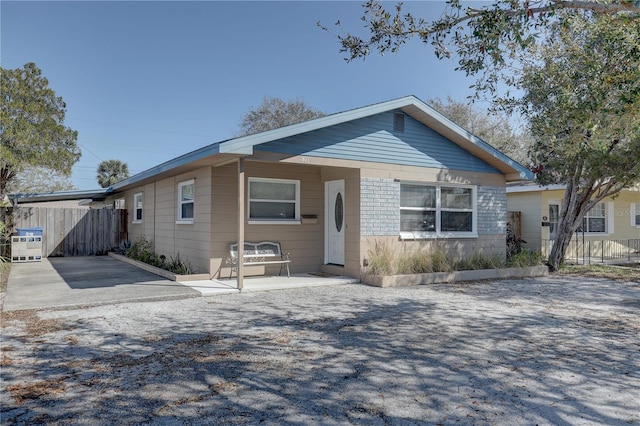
75	232
514	219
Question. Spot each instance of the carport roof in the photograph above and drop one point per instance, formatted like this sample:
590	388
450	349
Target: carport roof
93	194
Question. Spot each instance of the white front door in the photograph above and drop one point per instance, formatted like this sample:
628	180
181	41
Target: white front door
334	222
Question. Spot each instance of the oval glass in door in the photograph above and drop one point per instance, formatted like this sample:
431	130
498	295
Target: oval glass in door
339	212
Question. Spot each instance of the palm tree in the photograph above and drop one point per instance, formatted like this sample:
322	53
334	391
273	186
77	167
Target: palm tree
111	172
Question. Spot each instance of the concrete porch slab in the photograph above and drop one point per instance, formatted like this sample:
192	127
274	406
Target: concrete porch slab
268	283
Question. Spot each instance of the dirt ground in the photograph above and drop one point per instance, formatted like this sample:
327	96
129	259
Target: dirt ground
554	350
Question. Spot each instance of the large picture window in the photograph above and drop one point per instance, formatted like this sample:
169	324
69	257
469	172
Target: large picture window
437	210
137	207
186	201
274	200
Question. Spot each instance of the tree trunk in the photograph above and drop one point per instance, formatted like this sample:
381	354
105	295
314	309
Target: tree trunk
577	202
560	245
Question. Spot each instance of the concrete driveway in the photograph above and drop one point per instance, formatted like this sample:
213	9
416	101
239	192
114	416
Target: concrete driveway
85	281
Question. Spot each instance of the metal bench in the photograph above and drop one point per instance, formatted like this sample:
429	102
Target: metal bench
262	253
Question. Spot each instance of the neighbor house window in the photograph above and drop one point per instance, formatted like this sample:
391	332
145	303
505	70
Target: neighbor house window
595	221
437	211
186	200
137	207
274	200
635	214
119	203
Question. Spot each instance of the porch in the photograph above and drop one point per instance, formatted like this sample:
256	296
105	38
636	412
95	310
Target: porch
268	283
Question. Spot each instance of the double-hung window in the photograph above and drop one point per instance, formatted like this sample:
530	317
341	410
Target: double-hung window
595	221
186	201
137	207
437	211
274	201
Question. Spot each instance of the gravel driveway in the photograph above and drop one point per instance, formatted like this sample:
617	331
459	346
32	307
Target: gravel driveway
557	350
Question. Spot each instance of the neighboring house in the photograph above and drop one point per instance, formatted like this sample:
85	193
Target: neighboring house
328	190
614	219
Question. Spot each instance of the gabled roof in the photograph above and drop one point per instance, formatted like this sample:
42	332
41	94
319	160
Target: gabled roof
414	107
228	150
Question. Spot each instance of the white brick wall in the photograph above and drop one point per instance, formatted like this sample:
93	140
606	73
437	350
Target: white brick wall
380	208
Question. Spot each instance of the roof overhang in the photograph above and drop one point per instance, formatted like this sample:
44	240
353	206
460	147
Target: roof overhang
95	195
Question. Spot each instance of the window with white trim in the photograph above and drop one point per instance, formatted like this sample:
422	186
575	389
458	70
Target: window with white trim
186	201
595	221
437	210
137	207
635	214
274	201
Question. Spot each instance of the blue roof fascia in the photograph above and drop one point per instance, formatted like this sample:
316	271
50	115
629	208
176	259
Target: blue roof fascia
183	160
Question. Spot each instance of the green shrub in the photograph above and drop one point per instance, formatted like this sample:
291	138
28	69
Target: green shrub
525	258
178	266
142	250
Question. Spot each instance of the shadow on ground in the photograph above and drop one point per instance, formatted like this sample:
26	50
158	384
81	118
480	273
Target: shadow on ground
540	351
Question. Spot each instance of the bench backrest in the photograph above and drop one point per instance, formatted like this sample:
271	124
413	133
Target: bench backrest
261	249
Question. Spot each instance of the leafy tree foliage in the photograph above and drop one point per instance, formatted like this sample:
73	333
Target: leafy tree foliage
39	179
582	100
274	113
493	127
486	41
32	131
111	172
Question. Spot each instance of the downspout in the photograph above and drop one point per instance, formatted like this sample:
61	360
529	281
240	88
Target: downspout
241	209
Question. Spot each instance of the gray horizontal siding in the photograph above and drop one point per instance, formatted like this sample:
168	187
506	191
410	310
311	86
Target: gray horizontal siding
373	139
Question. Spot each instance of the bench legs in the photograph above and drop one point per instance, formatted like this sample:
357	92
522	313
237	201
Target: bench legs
281	266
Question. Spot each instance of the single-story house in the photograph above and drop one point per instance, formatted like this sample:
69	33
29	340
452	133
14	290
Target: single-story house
614	219
327	190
